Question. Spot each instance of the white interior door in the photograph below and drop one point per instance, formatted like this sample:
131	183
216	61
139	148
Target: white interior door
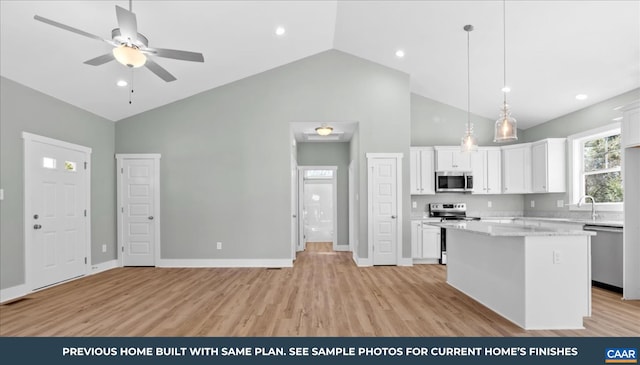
294	206
384	210
139	211
56	211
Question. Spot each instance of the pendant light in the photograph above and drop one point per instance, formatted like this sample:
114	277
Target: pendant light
469	142
506	129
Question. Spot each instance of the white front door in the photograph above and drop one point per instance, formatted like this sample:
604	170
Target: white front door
56	210
384	210
138	211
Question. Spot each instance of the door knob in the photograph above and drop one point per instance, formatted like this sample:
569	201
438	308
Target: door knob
150	217
294	216
37	226
393	217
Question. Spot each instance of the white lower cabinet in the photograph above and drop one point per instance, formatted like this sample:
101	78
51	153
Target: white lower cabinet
425	242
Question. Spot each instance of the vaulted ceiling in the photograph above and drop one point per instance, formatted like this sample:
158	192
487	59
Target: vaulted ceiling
555	49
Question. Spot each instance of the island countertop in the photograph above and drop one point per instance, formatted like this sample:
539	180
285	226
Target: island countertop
509	229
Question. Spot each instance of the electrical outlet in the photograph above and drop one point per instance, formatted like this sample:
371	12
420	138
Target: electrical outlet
489	204
414	204
219	245
533	204
560	203
104	248
557	257
1	194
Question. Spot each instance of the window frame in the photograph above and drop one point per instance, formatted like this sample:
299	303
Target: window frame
576	159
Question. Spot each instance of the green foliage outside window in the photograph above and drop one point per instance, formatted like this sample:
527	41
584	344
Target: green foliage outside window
601	162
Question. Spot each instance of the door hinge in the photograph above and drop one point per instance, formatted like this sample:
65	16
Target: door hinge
122	248
85	260
85	165
122	209
85	212
122	170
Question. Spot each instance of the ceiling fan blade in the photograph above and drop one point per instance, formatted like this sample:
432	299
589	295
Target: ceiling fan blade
127	23
66	27
159	71
100	60
176	54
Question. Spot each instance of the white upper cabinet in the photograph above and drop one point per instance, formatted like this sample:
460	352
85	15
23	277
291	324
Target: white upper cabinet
631	125
516	169
548	163
487	170
450	158
422	172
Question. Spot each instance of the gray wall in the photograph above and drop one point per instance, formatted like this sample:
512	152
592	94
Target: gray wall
25	110
225	152
437	124
334	154
593	116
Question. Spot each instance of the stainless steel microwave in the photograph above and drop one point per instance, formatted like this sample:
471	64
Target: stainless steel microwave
453	181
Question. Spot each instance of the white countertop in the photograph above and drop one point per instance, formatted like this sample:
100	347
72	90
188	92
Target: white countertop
597	222
509	229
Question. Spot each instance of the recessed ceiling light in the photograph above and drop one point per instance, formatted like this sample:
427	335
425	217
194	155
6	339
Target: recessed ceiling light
581	96
506	89
280	30
400	53
121	83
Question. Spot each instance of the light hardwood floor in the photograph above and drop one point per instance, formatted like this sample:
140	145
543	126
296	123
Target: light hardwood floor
324	294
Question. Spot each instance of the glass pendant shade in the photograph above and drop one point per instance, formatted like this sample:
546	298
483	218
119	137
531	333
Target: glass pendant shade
129	56
469	142
506	126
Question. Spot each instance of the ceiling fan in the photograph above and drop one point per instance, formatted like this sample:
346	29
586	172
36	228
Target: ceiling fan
130	47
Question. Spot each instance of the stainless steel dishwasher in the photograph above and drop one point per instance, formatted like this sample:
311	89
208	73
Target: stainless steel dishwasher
606	257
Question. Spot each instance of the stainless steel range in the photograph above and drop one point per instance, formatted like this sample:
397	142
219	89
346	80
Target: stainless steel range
448	212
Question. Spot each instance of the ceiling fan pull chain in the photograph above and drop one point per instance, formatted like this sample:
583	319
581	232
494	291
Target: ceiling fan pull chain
131	93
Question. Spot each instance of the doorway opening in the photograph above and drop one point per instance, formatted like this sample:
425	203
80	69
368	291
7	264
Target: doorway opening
318	206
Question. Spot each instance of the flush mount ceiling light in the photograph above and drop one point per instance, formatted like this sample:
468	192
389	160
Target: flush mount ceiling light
506	129
280	30
129	56
581	97
469	142
324	130
122	83
400	53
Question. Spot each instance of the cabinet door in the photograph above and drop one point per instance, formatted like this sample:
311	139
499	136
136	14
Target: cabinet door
452	159
493	172
461	160
539	170
516	163
631	128
430	242
427	172
415	171
479	171
416	239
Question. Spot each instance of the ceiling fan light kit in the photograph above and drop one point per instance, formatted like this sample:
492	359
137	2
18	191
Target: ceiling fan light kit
130	47
129	56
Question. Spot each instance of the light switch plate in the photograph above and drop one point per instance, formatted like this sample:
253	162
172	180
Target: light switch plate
560	203
489	204
1	194
414	204
533	204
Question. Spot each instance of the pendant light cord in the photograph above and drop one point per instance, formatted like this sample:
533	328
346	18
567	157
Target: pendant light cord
504	46
468	28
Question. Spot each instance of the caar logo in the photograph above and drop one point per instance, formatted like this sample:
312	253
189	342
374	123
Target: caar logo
621	356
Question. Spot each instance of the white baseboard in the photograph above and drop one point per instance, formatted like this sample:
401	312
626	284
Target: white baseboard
361	262
405	261
103	266
13	292
225	263
425	261
341	248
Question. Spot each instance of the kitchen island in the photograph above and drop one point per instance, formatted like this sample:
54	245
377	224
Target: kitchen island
538	278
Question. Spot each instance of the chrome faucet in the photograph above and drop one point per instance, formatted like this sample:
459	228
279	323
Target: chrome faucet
593	205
